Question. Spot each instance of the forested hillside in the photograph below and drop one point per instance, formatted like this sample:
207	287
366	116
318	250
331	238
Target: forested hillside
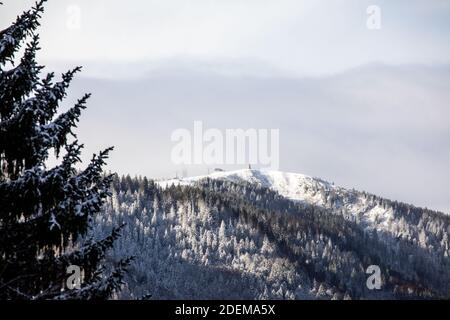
218	238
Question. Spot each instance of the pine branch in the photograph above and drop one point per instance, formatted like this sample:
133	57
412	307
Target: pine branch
24	25
54	134
49	95
19	82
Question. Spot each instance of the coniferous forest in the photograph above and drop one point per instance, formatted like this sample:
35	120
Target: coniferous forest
225	240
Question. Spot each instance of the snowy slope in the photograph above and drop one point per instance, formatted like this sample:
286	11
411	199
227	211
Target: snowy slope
289	185
227	240
303	188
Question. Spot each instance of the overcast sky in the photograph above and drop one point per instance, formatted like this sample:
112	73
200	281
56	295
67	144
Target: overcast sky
364	108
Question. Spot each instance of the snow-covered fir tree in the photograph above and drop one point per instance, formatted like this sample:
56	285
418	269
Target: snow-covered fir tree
44	212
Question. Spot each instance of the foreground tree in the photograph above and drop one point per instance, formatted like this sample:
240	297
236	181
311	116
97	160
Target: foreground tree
45	212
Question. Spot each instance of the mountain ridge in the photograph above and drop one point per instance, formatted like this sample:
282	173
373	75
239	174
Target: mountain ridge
304	188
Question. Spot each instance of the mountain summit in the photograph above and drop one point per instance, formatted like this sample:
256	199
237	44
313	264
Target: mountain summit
370	210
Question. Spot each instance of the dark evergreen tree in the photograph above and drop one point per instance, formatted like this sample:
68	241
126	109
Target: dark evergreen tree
45	212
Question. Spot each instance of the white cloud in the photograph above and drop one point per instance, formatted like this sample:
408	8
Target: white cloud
294	36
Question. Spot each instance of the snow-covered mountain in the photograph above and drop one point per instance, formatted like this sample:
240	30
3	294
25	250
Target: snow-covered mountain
255	234
306	189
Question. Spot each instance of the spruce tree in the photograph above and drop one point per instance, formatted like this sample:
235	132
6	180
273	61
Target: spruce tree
46	212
